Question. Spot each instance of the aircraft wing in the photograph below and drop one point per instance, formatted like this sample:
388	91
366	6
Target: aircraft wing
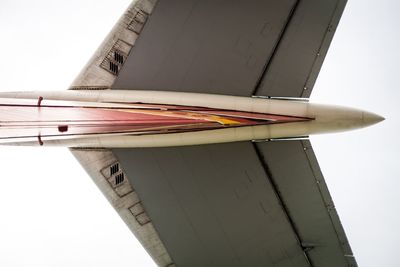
244	48
235	204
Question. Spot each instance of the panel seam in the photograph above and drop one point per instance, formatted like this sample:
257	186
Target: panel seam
277	44
308	146
323	49
274	186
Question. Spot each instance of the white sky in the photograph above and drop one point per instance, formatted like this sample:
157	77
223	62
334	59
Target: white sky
51	213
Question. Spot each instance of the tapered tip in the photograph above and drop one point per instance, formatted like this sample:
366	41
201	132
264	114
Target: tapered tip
370	118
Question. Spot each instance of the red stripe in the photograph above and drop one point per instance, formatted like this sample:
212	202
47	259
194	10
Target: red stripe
22	120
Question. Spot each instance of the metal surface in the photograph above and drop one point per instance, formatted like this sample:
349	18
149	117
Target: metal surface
149	119
294	169
103	67
222	205
96	76
227	204
298	59
205	46
25	119
211	206
123	197
270	48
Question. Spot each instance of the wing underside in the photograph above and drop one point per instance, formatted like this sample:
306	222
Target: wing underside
236	204
267	205
213	206
245	48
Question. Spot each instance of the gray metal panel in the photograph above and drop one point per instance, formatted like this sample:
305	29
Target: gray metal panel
299	180
239	204
205	46
213	205
299	56
270	48
123	198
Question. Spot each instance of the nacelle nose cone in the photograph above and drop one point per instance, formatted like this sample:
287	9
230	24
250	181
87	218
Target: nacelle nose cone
370	118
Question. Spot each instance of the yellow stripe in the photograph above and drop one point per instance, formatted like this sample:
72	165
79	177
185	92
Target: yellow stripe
186	115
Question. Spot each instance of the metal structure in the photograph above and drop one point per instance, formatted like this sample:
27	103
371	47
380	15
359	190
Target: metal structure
172	116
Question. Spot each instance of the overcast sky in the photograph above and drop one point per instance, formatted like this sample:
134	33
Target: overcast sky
51	213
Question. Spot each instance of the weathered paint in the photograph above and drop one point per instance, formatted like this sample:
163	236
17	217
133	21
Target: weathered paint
30	121
189	118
